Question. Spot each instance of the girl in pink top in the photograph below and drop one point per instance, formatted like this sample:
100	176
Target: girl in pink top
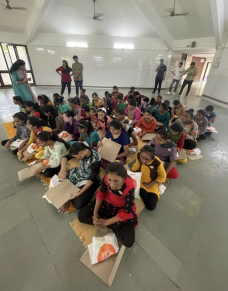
133	112
103	120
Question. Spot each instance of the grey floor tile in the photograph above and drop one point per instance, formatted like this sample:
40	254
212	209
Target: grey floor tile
184	199
172	228
80	276
160	255
12	211
149	276
24	260
63	245
205	266
33	196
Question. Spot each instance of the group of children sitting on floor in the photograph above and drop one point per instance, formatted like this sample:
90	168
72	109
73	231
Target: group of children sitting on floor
117	116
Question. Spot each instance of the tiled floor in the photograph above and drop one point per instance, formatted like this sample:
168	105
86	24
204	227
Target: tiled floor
182	245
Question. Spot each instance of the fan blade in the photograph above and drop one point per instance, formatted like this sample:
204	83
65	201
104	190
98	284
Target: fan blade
19	8
3	4
99	19
99	15
181	14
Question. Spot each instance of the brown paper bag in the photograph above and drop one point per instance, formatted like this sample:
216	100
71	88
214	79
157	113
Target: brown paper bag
182	155
110	149
28	172
194	157
61	193
105	270
148	136
101	133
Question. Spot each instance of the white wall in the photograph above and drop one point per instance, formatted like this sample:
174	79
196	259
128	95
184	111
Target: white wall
102	67
12	37
217	83
96	41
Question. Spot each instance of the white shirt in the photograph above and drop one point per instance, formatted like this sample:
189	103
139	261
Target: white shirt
178	72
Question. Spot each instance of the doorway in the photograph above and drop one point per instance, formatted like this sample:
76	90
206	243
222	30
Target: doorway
207	71
10	53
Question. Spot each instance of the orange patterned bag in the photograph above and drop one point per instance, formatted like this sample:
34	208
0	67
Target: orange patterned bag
103	247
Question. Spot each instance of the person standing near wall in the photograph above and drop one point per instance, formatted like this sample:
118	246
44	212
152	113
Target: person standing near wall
65	77
78	74
191	73
161	73
20	83
178	73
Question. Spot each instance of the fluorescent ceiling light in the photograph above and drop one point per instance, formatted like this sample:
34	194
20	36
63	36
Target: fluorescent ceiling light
77	44
124	46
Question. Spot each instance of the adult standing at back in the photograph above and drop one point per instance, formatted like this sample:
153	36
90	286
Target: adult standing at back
78	74
65	77
20	83
178	73
191	72
161	73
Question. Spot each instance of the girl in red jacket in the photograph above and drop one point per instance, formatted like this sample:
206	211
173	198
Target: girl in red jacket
114	206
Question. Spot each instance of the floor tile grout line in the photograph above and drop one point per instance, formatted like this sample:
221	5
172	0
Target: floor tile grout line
45	245
197	222
160	268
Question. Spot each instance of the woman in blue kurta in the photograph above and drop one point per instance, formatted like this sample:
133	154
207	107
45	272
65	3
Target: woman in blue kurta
20	83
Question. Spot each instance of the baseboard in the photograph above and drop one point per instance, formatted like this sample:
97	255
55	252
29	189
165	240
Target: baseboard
215	99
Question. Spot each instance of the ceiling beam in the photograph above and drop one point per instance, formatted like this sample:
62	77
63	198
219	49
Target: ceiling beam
147	9
218	18
35	19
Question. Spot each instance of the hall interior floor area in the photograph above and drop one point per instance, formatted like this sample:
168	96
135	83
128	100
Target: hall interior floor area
182	245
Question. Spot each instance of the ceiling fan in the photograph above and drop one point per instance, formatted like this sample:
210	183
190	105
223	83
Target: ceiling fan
96	16
7	6
172	14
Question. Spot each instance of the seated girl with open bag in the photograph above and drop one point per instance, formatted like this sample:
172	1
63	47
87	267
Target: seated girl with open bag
114	206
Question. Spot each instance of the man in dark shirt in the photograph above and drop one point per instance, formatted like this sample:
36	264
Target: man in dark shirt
161	73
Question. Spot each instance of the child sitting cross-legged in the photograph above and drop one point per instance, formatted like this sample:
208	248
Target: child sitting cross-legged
147	123
55	149
153	173
166	151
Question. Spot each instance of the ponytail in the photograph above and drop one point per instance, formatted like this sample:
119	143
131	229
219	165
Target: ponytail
46	135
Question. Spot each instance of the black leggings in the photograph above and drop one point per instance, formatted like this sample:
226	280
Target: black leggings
158	82
202	136
124	232
50	172
189	144
149	199
64	84
13	151
84	199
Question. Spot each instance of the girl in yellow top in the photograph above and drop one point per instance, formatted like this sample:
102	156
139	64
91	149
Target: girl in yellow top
153	173
97	102
35	125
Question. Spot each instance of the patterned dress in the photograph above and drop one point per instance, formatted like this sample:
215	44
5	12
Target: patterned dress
79	176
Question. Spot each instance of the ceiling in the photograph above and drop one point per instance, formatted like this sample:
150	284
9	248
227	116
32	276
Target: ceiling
198	23
15	20
121	18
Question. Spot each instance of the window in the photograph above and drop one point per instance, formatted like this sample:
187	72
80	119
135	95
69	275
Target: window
10	53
